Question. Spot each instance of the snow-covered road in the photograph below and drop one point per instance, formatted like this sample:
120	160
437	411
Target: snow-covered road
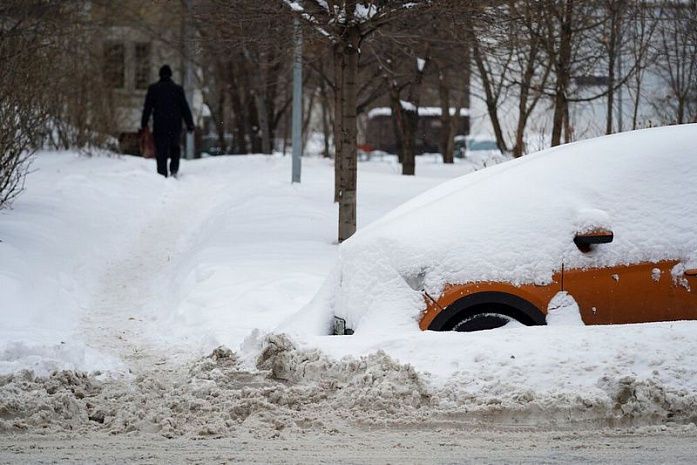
384	446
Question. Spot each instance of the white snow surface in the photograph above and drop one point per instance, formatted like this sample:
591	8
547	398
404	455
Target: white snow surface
100	250
563	311
107	268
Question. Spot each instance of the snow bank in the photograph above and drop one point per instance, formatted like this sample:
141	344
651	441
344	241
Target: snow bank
43	359
75	215
300	390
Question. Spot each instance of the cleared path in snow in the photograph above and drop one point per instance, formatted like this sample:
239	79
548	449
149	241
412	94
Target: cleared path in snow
117	323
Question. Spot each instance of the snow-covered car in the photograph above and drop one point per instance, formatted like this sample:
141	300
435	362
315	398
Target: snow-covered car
610	222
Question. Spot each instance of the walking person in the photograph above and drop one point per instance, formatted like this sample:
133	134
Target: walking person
166	101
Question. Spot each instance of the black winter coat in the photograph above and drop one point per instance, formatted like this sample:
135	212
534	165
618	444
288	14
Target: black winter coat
167	101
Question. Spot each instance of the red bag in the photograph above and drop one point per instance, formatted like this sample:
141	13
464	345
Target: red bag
147	143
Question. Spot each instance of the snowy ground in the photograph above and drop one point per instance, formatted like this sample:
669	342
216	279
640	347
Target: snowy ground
135	307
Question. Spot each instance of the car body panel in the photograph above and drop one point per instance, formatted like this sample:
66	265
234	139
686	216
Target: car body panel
643	292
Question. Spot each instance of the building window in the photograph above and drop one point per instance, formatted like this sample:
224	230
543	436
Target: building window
143	65
114	69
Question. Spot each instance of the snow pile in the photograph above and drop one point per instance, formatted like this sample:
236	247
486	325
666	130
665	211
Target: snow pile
215	398
42	359
563	311
374	383
298	391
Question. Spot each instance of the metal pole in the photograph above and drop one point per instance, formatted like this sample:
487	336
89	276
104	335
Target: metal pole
297	102
189	72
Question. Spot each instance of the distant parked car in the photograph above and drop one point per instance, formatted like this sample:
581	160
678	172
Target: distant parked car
474	145
214	151
611	221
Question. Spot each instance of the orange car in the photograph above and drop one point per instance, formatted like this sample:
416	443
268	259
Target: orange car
610	221
637	293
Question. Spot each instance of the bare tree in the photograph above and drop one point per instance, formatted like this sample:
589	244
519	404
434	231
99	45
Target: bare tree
616	11
247	46
451	72
532	64
560	34
676	60
641	26
32	35
508	50
403	61
493	66
345	24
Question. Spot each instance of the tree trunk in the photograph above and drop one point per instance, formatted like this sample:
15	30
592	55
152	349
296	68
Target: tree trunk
260	100
286	130
235	90
681	110
325	118
636	100
240	126
338	112
264	133
218	119
525	109
612	57
558	118
447	142
410	120
397	123
491	100
561	102
519	147
349	56
252	125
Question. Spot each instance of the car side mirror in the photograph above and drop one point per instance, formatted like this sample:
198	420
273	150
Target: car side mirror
585	240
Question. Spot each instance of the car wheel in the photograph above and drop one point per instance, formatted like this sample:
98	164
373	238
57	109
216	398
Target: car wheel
486	310
483	321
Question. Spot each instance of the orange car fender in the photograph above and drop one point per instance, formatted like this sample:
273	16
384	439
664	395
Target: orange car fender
538	296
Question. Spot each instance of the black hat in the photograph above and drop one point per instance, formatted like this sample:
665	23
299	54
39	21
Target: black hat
165	71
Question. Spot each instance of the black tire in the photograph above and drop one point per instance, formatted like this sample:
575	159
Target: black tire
483	321
486	310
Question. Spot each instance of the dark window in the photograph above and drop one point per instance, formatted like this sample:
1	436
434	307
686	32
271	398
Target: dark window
142	74
114	69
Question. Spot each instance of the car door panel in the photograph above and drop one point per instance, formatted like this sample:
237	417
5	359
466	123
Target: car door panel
637	293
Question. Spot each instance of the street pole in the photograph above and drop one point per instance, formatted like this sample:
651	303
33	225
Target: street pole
189	71
297	102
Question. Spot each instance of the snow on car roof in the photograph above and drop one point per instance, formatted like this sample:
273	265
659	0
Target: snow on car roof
515	222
